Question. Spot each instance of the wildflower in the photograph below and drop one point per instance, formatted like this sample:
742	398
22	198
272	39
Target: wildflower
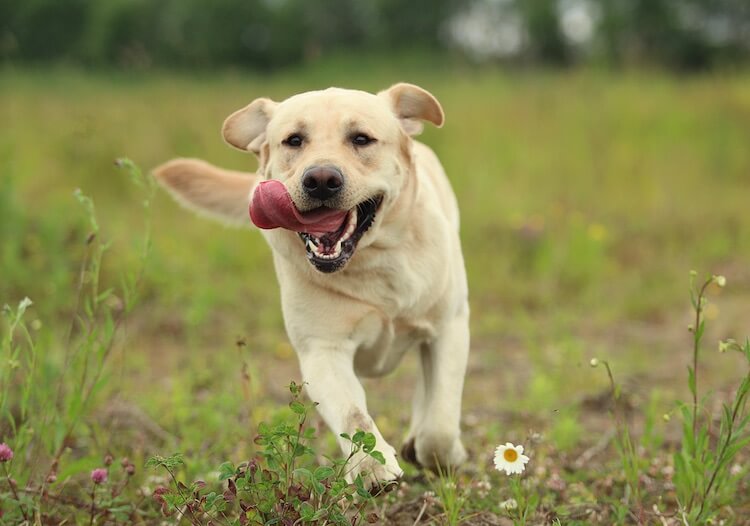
510	458
593	362
6	453
99	476
108	460
483	488
509	504
720	281
429	498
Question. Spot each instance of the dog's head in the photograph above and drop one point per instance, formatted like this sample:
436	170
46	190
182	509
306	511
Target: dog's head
334	163
342	157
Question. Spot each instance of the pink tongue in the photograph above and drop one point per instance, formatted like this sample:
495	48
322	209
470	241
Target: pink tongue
272	207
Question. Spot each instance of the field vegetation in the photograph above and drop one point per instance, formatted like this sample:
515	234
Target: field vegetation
587	198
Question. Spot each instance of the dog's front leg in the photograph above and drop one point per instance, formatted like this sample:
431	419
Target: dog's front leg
328	370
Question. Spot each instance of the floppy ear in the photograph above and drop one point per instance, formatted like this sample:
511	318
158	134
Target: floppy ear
412	104
245	129
207	189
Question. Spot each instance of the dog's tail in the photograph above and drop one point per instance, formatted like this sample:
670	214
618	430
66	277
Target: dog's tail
209	190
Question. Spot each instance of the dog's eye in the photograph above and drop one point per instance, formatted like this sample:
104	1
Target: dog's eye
360	139
293	141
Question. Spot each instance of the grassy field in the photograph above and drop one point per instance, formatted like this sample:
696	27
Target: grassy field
586	199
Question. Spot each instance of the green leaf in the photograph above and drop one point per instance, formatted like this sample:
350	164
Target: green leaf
368	442
318	487
323	472
337	487
298	450
226	470
308	433
363	493
700	330
691	380
360	486
304	472
377	455
169	462
298	407
306	512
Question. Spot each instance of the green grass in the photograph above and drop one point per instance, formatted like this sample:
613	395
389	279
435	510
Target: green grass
586	198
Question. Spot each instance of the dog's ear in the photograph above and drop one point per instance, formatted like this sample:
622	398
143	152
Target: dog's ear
245	129
207	189
412	105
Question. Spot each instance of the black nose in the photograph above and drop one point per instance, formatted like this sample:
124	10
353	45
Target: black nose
322	182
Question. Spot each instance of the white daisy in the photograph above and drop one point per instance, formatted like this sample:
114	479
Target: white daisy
510	458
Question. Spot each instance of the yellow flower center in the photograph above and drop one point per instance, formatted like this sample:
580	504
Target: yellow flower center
510	455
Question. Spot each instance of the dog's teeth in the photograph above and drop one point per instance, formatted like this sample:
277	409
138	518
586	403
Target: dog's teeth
350	227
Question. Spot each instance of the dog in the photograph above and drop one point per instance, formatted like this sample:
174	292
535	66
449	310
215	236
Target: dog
364	229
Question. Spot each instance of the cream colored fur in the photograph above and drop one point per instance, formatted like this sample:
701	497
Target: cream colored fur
405	287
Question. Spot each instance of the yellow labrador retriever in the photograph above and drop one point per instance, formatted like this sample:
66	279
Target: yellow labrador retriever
363	225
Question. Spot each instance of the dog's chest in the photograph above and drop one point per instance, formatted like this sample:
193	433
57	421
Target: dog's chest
389	340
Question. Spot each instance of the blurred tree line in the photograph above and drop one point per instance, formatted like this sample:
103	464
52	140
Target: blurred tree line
679	34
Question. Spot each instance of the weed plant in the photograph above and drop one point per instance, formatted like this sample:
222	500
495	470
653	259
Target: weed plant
702	478
281	485
43	402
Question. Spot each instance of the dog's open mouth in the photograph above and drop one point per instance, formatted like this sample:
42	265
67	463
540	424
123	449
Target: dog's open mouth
330	251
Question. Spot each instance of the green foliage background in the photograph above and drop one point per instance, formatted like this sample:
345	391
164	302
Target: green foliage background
678	34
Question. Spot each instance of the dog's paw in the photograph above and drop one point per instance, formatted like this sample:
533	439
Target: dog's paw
377	477
436	449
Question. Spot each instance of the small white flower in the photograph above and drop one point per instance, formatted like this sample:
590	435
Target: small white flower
429	498
509	504
720	280
593	362
510	458
483	488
